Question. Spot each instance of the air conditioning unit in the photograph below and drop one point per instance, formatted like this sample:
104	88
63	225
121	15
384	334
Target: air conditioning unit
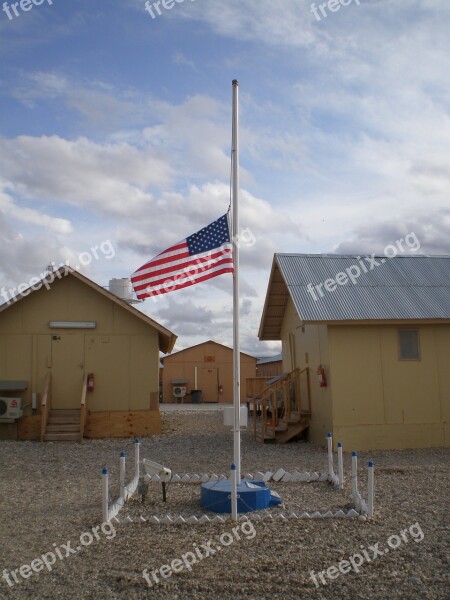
10	409
179	392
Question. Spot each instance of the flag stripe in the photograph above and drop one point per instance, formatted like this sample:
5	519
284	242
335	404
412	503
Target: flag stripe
201	256
178	266
182	275
164	290
176	251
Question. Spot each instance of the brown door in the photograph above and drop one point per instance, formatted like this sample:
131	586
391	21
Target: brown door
67	369
209	384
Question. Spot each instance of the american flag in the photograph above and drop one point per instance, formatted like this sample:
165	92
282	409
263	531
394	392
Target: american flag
199	257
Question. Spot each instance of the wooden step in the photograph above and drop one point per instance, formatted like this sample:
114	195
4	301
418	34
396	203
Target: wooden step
292	431
64	420
62	437
282	426
64	412
62	427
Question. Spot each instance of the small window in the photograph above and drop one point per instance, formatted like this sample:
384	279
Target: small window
409	344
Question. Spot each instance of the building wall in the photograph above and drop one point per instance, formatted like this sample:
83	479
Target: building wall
214	364
380	401
308	347
122	352
270	369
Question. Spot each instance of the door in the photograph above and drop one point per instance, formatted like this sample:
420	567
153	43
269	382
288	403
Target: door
67	369
209	384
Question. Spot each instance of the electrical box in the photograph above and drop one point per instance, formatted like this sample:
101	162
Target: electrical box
228	416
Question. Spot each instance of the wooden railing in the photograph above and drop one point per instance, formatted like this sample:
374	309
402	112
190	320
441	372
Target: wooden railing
46	403
83	408
282	400
255	386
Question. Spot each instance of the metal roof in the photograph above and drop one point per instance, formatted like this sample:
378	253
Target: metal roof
360	288
269	359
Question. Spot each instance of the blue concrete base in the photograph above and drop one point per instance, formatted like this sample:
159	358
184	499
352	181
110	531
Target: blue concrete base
252	495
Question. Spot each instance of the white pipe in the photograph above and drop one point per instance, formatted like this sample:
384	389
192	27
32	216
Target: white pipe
105	495
370	489
122	476
236	339
330	456
355	476
137	443
195	378
234	513
340	466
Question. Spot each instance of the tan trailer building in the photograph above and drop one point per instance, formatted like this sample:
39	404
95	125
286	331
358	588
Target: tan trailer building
269	366
374	335
80	360
207	367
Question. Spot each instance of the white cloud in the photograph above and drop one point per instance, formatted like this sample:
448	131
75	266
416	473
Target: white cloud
105	177
31	216
286	24
180	59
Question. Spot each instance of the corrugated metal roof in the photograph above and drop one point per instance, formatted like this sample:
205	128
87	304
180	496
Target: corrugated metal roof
404	287
269	359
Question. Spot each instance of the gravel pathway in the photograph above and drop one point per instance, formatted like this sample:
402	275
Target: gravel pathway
50	495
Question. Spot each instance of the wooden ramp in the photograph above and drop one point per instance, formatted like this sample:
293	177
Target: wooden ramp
285	410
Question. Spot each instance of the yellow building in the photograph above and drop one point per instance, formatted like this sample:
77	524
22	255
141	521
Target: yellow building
269	366
375	332
80	360
209	366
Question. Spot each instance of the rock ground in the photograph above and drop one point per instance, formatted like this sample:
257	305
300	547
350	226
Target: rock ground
50	493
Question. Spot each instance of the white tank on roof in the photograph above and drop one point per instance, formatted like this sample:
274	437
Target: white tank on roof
121	288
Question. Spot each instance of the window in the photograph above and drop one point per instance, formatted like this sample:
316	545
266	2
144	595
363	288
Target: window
409	344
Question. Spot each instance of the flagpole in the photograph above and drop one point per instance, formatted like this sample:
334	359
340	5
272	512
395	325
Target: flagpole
236	342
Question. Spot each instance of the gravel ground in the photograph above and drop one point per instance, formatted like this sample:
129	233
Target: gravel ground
50	494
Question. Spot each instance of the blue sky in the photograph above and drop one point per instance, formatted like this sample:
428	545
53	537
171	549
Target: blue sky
116	127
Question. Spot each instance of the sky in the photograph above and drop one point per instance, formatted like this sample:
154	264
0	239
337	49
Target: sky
115	135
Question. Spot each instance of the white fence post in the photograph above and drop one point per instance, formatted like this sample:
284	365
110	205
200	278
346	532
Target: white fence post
137	443
234	511
125	491
340	466
122	476
330	457
370	489
355	476
105	495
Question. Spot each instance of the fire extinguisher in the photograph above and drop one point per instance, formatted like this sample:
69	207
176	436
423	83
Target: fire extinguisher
90	382
321	376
